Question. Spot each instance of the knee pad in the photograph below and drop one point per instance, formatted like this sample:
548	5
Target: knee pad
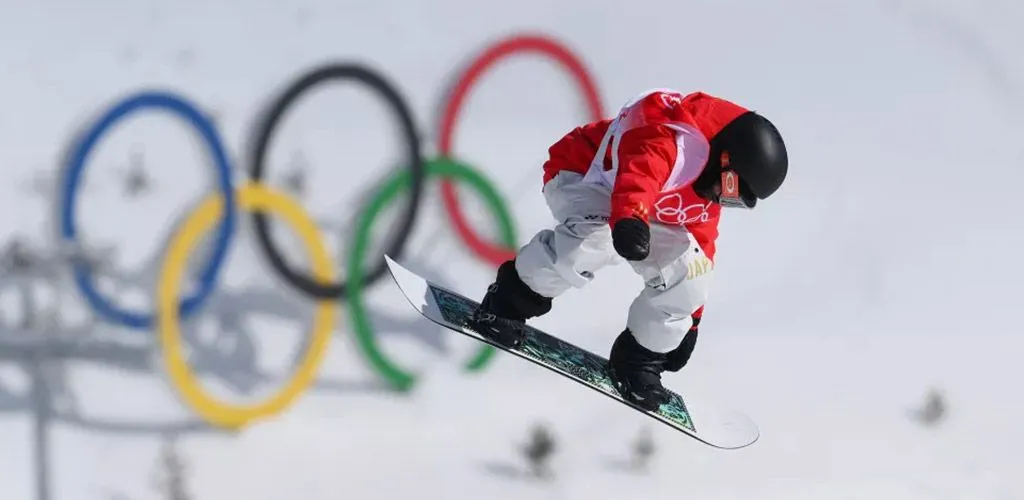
508	297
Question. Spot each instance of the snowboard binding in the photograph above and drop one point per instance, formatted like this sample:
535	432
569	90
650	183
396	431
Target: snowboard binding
506	306
636	372
507	332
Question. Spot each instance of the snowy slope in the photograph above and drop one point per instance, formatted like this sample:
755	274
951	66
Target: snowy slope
887	265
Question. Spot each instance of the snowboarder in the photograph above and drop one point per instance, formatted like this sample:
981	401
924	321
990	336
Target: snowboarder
647	186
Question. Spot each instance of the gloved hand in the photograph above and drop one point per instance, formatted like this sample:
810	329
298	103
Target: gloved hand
631	238
678	357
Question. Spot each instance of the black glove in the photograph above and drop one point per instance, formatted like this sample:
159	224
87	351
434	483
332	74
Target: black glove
632	238
678	357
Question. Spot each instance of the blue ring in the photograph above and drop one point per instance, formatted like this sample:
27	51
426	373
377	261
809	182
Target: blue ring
73	178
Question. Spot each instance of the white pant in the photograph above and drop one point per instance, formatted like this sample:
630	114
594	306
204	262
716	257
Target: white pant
676	274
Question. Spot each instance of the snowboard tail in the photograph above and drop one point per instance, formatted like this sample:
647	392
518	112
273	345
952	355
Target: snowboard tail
721	429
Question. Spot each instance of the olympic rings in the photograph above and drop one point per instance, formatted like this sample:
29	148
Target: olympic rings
441	167
255	198
506	48
251	197
73	179
265	131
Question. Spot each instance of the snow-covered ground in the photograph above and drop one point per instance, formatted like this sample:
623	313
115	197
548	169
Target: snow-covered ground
888	265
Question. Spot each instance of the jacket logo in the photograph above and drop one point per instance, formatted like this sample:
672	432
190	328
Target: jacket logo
657	283
671	100
670	210
641	211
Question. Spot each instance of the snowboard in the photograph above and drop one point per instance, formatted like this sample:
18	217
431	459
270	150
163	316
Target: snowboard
711	425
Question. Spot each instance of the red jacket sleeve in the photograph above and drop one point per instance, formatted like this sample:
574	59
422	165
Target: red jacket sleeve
646	157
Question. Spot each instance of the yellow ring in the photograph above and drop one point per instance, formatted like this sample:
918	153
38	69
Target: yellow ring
250	197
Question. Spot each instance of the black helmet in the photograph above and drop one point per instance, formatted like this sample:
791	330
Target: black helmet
749	150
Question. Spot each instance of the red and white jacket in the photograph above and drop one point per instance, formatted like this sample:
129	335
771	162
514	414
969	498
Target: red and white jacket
649	155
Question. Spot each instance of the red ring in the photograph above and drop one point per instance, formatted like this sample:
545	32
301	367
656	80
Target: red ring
457	96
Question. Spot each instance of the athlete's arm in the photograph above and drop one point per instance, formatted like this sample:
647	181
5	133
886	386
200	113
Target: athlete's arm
646	157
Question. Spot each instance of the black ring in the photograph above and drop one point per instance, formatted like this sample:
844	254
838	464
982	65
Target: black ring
415	162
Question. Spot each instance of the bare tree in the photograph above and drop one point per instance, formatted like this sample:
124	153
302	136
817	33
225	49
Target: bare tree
934	410
134	177
539	449
643	449
295	180
171	478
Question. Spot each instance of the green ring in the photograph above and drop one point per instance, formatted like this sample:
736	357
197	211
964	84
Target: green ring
397	377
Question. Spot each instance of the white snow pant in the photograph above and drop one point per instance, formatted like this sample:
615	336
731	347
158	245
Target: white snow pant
676	273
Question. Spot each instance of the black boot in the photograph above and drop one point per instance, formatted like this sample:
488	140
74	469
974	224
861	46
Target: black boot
636	372
507	305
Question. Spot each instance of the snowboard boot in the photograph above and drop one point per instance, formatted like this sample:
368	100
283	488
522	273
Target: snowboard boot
636	372
677	358
506	306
